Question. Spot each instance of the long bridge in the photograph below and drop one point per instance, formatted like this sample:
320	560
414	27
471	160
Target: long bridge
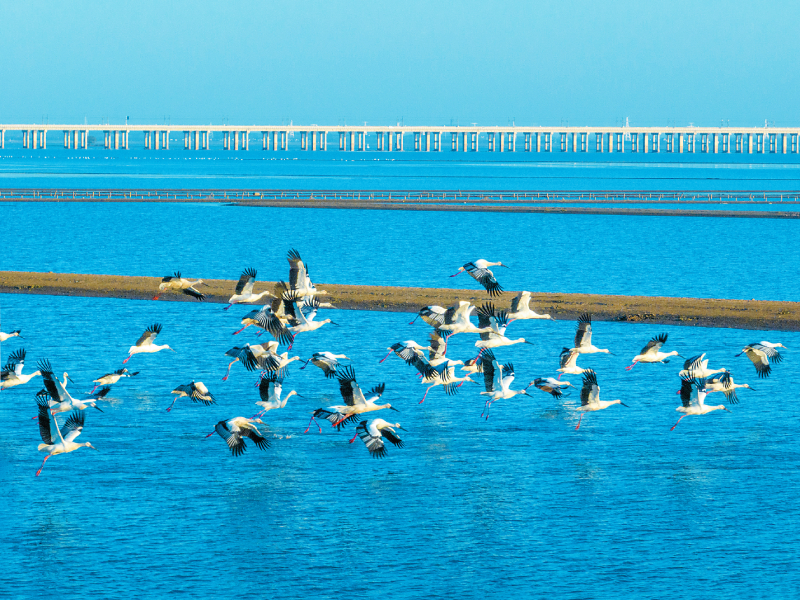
399	138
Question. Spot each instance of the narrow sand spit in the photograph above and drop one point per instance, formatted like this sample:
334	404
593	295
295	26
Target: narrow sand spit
741	314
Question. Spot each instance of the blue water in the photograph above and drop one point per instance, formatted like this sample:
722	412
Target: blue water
662	256
520	505
178	169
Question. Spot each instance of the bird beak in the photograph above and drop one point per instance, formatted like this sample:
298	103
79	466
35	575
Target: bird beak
726	409
682	356
98	408
403	428
527	342
332	323
625	405
752	388
394	409
70	380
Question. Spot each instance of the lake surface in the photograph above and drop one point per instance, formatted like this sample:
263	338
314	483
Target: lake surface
519	504
663	256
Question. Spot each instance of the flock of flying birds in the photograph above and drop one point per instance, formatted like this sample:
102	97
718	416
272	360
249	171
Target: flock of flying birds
292	310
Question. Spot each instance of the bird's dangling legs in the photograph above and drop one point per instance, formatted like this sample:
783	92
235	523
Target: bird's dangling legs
579	421
385	357
629	367
42	467
313	420
353	439
93	389
173	402
227	307
485	407
415	318
228	372
127	359
156	296
488	408
210	434
676	424
426	394
306	364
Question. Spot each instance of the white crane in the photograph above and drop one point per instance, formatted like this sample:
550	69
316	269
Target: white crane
248	354
497	322
761	354
11	375
301	316
456	320
693	395
60	399
65	440
723	382
145	345
583	337
176	283
112	378
8	336
568	363
651	353
432	315
373	432
327	361
520	309
479	270
234	430
299	280
497	380
444	375
355	402
270	389
266	319
590	396
196	391
406	350
244	289
697	367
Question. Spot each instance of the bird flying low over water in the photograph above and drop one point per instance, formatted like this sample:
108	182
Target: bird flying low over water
8	336
590	396
244	289
270	389
112	378
374	431
497	380
64	440
583	337
554	387
176	283
496	323
145	345
693	395
60	399
327	361
196	391
651	353
723	382
11	375
479	270
299	280
520	309
355	401
697	367
761	354
568	363
234	430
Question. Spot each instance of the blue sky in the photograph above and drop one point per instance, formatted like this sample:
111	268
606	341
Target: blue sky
536	63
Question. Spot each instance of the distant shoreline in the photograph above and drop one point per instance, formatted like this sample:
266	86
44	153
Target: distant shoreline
739	314
426	207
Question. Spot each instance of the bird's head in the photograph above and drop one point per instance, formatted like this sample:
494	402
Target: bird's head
258	421
162	286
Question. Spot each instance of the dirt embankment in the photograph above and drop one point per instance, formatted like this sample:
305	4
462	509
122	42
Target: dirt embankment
743	314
